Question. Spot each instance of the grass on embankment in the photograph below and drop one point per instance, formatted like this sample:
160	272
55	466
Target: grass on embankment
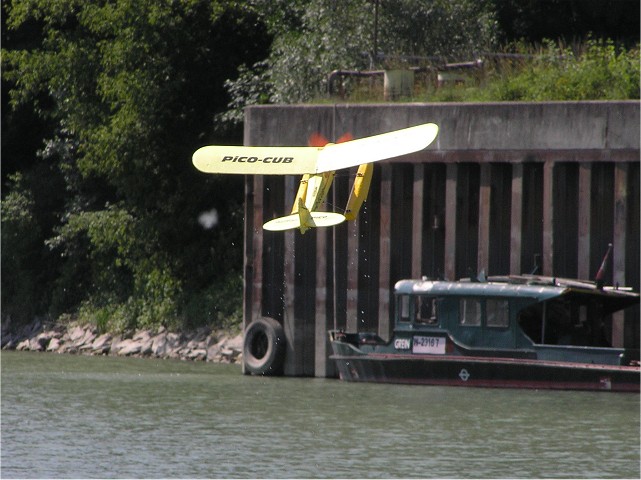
594	70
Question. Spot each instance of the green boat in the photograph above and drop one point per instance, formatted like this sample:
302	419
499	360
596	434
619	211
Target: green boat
511	331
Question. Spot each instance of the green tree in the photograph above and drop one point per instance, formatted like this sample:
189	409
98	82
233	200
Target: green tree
324	35
129	89
568	20
104	102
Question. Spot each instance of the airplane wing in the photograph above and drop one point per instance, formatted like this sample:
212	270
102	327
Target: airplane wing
256	160
301	160
376	148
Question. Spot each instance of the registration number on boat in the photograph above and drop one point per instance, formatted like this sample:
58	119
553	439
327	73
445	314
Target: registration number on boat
433	345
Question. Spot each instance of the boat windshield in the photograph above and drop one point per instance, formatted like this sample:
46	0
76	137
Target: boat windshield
422	309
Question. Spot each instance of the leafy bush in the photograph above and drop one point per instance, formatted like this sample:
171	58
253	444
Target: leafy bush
217	305
597	70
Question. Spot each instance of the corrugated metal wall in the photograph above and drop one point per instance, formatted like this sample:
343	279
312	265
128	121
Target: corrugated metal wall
502	185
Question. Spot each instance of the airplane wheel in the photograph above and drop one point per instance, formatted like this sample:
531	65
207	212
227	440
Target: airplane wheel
264	347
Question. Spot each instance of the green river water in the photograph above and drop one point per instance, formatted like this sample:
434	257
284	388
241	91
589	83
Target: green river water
67	416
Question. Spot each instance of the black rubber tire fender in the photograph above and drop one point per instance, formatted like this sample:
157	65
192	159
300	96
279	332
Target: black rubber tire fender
264	347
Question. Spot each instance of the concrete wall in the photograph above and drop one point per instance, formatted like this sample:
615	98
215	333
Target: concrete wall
501	184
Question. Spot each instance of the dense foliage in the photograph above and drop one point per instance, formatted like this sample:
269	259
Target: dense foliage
594	70
103	218
103	103
597	71
358	34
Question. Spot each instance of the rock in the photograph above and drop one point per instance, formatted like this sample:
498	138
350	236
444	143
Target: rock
197	345
142	335
145	347
213	353
201	334
45	336
197	354
68	348
222	340
229	355
8	341
40	342
85	341
236	343
76	334
173	345
129	347
54	345
115	345
159	345
102	344
145	340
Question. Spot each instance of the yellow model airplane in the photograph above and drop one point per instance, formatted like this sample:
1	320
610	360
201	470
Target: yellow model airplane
318	165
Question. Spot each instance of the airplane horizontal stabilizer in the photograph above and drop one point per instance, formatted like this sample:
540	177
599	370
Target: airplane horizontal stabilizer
319	219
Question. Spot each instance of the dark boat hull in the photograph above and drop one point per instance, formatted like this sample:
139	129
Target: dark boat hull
482	371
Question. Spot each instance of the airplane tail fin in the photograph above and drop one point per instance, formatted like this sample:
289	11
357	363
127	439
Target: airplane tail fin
303	219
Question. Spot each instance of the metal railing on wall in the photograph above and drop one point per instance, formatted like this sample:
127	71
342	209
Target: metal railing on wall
440	73
400	82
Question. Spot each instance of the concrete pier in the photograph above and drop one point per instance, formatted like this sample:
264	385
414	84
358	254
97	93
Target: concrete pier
502	185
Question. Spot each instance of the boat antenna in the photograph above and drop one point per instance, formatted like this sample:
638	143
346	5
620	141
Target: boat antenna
537	261
600	275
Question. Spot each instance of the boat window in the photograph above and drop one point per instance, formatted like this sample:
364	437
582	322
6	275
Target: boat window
470	312
426	309
403	306
498	313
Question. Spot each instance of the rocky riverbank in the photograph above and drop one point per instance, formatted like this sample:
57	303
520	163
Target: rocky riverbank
73	338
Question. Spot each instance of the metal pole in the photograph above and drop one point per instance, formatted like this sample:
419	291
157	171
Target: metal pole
543	323
375	52
335	201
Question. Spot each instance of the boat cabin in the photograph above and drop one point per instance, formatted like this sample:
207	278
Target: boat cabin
521	317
